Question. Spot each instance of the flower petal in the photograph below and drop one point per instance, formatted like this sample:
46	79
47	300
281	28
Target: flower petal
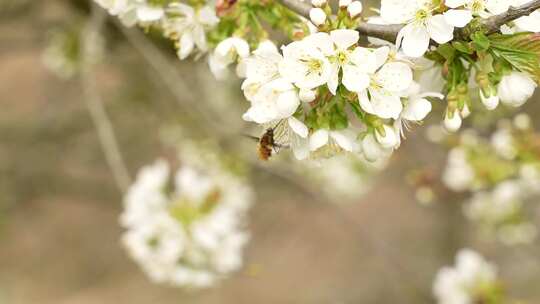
417	109
354	78
287	103
458	18
298	127
207	16
395	76
344	39
415	40
529	23
439	30
398	11
186	45
149	13
342	140
385	105
365	59
318	139
455	3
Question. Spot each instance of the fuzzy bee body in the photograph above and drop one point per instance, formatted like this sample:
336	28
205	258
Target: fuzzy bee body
270	141
266	145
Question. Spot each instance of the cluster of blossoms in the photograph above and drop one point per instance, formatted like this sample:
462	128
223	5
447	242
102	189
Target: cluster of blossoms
330	93
334	95
432	20
187	230
502	175
471	280
185	24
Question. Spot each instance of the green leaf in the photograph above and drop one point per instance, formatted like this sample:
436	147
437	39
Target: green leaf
463	47
521	51
480	41
447	51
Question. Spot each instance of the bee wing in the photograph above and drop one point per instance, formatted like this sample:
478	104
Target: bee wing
255	138
281	134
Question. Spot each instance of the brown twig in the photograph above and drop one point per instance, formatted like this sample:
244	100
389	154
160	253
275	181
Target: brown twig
94	102
389	32
492	24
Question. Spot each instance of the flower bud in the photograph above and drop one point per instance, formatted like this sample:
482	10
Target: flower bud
371	148
490	102
466	111
307	95
317	16
452	121
389	139
515	88
318	3
344	3
354	9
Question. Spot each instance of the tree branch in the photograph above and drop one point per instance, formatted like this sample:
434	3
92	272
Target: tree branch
389	32
94	103
493	24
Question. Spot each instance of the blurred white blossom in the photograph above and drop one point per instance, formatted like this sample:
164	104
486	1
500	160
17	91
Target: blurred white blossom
470	280
186	228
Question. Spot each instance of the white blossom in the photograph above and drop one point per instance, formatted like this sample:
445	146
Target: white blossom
318	3
421	24
452	121
466	281
389	139
305	63
516	88
499	212
415	109
502	141
228	51
189	236
458	174
317	16
189	27
337	140
481	8
354	9
490	102
529	23
272	97
383	84
344	3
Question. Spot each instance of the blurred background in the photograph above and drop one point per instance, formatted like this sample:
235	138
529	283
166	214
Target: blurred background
59	201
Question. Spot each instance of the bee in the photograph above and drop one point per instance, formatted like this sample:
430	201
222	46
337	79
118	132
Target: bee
268	144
